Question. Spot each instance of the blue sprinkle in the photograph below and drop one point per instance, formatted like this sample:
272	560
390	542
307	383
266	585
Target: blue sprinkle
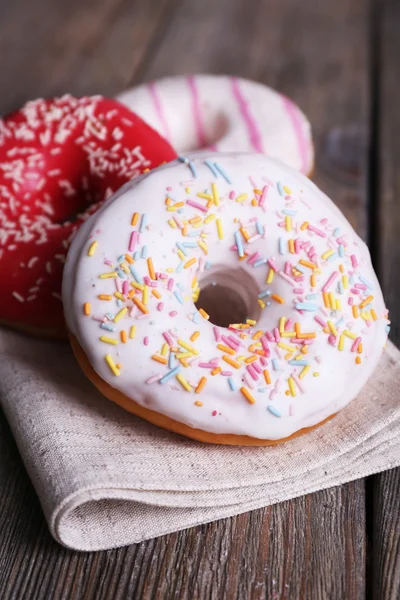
275	364
108	327
180	210
302	363
341	250
193	169
312	296
239	243
281	245
121	274
169	375
306	306
145	252
223	173
232	384
268	303
180	286
339	322
136	255
366	282
180	266
336	232
262	390
135	274
211	167
193	234
301	268
264	293
120	302
182	159
208	264
121	258
274	411
189	245
260	228
110	316
290	212
352	279
340	287
178	296
181	248
143	222
387	329
332	256
171	360
259	262
196	317
280	189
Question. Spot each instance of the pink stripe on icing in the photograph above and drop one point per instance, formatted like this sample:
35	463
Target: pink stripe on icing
302	142
254	134
198	122
159	109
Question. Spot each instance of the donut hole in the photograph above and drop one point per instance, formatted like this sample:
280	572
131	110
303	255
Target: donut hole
228	296
217	127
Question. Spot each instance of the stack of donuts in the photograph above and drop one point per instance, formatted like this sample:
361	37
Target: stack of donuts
208	285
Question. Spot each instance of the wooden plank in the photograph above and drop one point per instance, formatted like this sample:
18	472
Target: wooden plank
312	547
386	212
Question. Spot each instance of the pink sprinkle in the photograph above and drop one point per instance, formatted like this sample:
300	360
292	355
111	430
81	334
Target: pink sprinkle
289	324
291	410
214	413
298	291
332	340
228	342
101	319
297	382
277	335
226	373
253	374
125	287
146	341
154	378
208	365
317	231
197	205
249	382
217	334
133	241
254	238
178	222
288	268
297	246
350	301
269	336
173	334
264	344
354	262
108	262
168	338
235	341
169	189
263	361
273	265
360	286
160	306
330	281
147	280
324	221
355	291
232	195
170	285
320	321
286	277
356	343
256	367
263	197
253	258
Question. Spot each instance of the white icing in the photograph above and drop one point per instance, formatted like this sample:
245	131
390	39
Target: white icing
340	378
225	114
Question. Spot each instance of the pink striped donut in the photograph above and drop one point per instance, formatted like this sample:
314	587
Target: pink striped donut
219	112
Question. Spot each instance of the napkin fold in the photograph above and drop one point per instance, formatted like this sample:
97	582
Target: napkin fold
106	478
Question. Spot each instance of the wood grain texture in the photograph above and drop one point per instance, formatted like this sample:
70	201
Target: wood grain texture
313	547
385	197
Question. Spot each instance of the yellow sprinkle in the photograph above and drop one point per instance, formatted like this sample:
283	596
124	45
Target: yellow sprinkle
181	255
304	225
358	360
145	295
156	293
172	224
132	332
86	308
366	301
121	314
355	311
341	342
104	297
286	347
124	267
332	300
204	314
188	347
270	276
251	321
183	382
220	229
235	364
287	189
245	233
164	349
261	303
216	371
108	275
267	376
304	371
203	246
209	218
326	299
112	365
140	305
204	196
108	340
316	374
92	248
326	254
250	359
195	220
123	336
374	315
137	286
194	336
345	281
201	385
288	334
135	219
199	403
288	222
313	280
215	194
278	299
259	334
194	282
160	359
338	304
291	246
189	263
247	395
119	295
349	334
184	355
242	197
332	328
360	348
292	387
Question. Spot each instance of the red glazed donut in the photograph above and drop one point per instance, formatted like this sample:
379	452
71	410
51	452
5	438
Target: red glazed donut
59	159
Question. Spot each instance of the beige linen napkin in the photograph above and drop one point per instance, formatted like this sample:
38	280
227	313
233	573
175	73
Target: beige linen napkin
106	478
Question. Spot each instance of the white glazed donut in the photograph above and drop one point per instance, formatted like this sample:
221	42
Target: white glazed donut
317	325
227	114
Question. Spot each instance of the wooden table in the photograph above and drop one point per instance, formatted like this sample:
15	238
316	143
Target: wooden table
340	61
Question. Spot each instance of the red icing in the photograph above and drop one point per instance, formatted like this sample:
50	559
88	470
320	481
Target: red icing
60	159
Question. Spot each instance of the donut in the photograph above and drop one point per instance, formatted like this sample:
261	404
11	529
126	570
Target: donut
245	231
59	159
224	113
